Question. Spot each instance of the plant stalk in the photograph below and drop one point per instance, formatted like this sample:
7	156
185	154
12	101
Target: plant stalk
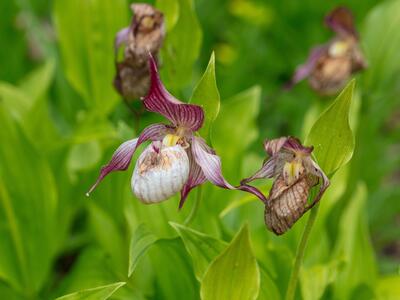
195	207
294	277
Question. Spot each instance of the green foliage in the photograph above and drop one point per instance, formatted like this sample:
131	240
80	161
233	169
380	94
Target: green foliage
86	31
234	274
206	94
61	119
331	134
98	293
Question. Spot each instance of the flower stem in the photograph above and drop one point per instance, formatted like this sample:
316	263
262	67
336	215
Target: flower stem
291	290
195	207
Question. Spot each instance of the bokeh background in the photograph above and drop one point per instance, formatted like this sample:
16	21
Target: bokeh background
61	119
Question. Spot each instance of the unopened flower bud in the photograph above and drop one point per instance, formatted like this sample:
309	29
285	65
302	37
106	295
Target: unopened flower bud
145	34
160	172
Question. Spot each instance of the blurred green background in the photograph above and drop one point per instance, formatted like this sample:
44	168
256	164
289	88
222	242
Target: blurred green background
61	119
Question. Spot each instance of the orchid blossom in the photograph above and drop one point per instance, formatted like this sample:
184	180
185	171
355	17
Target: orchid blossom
330	66
177	158
295	173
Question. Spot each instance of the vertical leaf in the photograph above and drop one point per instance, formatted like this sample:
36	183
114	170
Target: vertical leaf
206	95
331	134
234	274
98	293
182	45
170	9
355	246
201	247
142	240
86	31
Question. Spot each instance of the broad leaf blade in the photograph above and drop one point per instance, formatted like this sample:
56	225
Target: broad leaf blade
201	247
331	134
142	240
206	95
234	275
98	293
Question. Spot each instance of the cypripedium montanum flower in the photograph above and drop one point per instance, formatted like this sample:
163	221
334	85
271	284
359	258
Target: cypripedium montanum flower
294	173
177	158
145	34
330	66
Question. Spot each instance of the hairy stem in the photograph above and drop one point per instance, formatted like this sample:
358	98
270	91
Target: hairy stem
291	290
195	207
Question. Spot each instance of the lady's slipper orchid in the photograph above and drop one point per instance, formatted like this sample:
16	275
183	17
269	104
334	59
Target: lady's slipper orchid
177	159
145	34
330	66
295	173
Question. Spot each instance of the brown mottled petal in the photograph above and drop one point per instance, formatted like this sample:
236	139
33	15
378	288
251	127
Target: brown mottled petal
159	100
210	164
286	204
315	169
341	21
122	156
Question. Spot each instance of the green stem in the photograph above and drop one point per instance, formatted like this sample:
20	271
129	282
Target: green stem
291	290
195	207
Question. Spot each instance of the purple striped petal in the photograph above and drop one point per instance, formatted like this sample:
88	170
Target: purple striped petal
294	144
304	70
122	156
273	146
196	177
210	164
159	100
266	171
341	21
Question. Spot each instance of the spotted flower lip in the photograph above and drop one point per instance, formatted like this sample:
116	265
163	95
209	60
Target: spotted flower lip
294	173
186	119
329	66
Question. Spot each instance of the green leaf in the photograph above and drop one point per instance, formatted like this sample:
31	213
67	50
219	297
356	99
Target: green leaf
388	288
86	31
182	46
30	233
170	9
98	293
381	28
314	280
234	274
331	134
206	95
268	289
142	239
355	247
235	128
173	270
202	248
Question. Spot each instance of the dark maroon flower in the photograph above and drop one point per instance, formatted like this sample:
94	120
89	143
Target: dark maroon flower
295	173
177	159
330	66
145	34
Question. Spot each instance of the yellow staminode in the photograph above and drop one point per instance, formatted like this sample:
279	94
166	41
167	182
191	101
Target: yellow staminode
292	171
338	48
170	140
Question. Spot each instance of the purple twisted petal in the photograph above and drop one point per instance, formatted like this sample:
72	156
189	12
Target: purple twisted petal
122	156
159	100
210	164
